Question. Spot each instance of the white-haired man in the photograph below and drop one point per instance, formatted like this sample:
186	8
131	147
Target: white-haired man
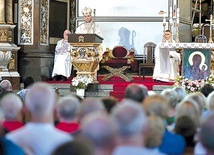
68	109
101	131
132	124
5	87
39	137
12	105
62	59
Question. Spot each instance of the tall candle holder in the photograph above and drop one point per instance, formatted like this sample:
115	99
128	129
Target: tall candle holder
177	33
164	21
211	23
177	25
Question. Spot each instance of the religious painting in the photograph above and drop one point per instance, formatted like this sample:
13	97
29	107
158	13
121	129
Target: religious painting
196	63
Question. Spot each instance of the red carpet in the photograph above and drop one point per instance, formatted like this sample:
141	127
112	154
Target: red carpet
119	85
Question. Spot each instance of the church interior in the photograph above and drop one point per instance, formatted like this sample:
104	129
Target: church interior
30	31
106	77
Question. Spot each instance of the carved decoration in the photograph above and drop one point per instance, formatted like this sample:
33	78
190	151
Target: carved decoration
44	22
6	35
5	57
73	15
25	33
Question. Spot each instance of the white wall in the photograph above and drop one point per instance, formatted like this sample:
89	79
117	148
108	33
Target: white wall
133	32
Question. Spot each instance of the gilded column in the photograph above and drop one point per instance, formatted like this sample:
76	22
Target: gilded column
9	12
2	11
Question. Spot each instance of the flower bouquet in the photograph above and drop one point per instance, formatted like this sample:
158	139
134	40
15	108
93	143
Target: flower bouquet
193	85
81	82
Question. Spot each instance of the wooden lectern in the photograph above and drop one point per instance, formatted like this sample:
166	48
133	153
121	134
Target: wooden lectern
86	54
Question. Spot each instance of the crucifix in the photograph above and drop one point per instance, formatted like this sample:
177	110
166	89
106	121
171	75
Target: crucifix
211	24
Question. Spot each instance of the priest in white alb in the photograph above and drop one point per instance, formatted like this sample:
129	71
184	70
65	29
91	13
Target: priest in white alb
167	61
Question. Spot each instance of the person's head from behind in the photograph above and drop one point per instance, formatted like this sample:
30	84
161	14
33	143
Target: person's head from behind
91	104
156	130
130	119
65	34
181	92
136	92
73	148
190	108
28	81
68	108
210	102
87	13
185	126
199	99
12	106
171	96
196	59
100	130
109	102
207	89
156	105
5	85
167	35
40	100
206	134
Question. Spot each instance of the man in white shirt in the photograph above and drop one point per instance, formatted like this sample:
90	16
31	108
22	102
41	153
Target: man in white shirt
39	137
62	59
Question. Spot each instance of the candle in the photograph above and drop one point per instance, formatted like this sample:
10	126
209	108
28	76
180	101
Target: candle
178	12
170	20
164	19
174	2
178	20
170	12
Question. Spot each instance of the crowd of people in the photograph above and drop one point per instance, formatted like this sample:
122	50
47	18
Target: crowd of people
168	123
38	121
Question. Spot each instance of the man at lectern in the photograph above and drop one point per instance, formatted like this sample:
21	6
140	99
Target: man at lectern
167	61
62	59
90	27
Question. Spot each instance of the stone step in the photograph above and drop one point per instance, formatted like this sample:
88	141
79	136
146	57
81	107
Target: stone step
101	91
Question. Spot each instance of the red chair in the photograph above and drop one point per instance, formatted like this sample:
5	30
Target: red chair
117	61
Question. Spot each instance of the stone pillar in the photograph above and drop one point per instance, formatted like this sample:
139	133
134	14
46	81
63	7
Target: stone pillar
6	12
9	12
2	11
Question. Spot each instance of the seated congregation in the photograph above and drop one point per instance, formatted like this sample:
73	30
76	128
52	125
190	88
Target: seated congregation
168	123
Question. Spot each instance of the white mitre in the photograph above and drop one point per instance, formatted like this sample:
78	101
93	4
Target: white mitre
86	11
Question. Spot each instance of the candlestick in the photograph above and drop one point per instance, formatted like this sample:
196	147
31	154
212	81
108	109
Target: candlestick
174	2
170	12
164	16
174	12
178	12
178	20
164	20
210	38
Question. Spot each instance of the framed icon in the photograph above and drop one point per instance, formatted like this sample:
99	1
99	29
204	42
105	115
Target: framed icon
196	63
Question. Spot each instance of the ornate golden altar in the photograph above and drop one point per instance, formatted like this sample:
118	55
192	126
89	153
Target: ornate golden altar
85	54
